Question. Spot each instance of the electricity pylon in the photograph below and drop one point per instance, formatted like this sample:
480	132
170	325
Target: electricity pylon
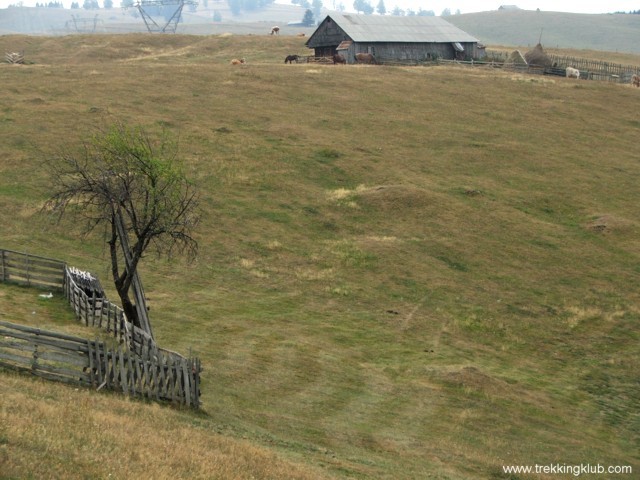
171	24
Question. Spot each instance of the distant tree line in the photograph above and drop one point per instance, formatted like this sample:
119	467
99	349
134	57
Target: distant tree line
308	19
364	6
87	5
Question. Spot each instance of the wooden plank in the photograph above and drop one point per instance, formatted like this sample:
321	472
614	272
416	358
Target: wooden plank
2	265
57	378
98	360
80	361
86	310
114	369
186	383
92	302
20	270
123	373
161	375
6	329
38	257
146	360
108	359
11	345
139	375
91	363
130	375
196	383
17	366
31	283
61	371
108	319
29	270
51	342
16	358
154	365
173	374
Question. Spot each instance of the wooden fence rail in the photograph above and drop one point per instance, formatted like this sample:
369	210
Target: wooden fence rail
31	270
136	366
154	374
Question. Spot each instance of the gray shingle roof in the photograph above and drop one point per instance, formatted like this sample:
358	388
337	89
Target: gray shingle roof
388	28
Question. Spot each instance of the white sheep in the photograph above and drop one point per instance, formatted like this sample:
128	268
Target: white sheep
572	72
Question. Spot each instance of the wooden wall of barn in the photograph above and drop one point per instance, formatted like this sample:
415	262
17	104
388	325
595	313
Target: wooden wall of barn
420	52
326	38
416	52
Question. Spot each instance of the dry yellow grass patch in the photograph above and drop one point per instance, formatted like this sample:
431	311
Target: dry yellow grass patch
52	431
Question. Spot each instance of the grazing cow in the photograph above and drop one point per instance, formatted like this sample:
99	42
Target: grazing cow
235	61
635	80
301	34
275	30
292	58
572	72
337	58
367	58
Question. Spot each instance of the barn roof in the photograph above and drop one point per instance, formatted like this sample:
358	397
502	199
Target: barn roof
391	28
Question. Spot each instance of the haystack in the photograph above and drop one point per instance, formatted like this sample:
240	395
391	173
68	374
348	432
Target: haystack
516	58
537	56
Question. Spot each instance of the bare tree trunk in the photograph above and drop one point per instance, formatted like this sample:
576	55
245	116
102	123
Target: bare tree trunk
130	310
122	282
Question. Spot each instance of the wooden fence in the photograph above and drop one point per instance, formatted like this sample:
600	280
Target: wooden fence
31	270
99	312
136	367
153	374
589	69
595	69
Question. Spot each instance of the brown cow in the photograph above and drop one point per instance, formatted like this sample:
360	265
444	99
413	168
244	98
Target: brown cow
635	80
235	61
367	58
337	58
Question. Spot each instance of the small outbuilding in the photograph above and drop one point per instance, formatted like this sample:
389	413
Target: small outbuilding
392	38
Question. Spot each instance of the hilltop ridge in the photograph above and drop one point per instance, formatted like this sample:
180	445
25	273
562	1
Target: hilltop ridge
521	28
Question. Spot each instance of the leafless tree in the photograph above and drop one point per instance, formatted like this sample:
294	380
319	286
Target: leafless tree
134	186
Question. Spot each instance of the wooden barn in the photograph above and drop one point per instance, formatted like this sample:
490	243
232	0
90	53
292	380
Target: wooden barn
389	38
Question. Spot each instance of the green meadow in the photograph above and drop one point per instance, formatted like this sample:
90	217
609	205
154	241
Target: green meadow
403	272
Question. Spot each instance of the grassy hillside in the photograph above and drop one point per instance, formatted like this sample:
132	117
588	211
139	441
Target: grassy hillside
404	272
610	33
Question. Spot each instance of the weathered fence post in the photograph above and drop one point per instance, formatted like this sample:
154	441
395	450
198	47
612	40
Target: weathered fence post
4	269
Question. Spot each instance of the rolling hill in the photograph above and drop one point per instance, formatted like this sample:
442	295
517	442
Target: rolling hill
403	273
611	33
521	28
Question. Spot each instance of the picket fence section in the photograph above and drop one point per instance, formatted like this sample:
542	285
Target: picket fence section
99	312
153	374
134	365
